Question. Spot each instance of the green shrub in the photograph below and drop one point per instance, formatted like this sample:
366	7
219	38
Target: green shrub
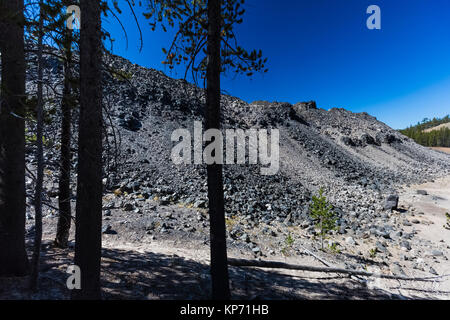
289	240
334	247
447	225
322	212
32	139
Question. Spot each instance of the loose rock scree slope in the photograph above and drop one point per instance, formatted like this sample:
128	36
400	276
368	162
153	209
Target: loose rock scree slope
353	156
358	160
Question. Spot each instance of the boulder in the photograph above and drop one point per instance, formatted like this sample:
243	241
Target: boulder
311	105
107	229
350	240
391	202
130	122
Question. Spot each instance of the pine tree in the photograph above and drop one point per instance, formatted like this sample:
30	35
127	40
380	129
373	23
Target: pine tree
219	264
89	188
211	24
39	156
322	212
434	138
13	257
64	195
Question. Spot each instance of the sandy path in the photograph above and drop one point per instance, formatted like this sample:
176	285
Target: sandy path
430	211
441	149
434	206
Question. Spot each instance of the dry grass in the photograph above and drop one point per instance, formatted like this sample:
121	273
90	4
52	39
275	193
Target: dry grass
444	125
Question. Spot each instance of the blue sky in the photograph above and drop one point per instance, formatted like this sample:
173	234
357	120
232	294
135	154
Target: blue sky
322	50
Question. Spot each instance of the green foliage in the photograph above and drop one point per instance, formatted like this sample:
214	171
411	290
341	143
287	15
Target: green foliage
322	212
288	243
334	247
122	75
30	110
373	252
447	225
32	139
189	44
289	240
435	138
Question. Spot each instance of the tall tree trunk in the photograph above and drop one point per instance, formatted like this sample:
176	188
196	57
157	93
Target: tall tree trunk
65	216
40	162
13	257
89	188
219	265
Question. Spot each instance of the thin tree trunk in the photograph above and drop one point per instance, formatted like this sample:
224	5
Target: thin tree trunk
65	216
321	233
40	163
89	188
219	265
13	257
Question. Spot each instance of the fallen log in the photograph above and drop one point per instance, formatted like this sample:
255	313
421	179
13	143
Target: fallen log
356	278
282	265
316	256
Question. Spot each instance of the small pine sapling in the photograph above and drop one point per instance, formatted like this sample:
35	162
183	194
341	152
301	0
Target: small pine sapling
447	226
322	212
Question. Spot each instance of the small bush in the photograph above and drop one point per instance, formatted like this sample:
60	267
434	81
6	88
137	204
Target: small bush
289	240
288	243
322	212
334	247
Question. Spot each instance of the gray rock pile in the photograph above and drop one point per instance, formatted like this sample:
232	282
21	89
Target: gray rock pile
358	160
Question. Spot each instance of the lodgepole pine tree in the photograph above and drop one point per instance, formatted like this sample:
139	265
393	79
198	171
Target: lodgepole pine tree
13	256
40	158
88	219
219	263
64	195
209	23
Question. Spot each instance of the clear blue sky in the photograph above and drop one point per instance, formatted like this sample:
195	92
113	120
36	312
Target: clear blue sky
322	50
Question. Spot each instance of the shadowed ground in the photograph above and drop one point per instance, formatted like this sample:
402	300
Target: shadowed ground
136	275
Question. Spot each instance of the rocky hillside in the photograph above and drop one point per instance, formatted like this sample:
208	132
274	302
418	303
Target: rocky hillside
357	159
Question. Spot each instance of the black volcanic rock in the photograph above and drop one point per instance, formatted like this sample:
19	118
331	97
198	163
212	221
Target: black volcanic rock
355	158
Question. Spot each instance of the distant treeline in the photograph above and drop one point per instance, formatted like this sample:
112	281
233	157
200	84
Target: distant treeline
435	138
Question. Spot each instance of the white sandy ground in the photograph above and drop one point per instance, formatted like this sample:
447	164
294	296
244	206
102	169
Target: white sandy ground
443	149
434	206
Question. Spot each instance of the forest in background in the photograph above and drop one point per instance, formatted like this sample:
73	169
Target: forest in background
434	138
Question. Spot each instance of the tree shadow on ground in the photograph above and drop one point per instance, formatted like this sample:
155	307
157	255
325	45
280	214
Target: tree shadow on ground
141	276
135	275
362	260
